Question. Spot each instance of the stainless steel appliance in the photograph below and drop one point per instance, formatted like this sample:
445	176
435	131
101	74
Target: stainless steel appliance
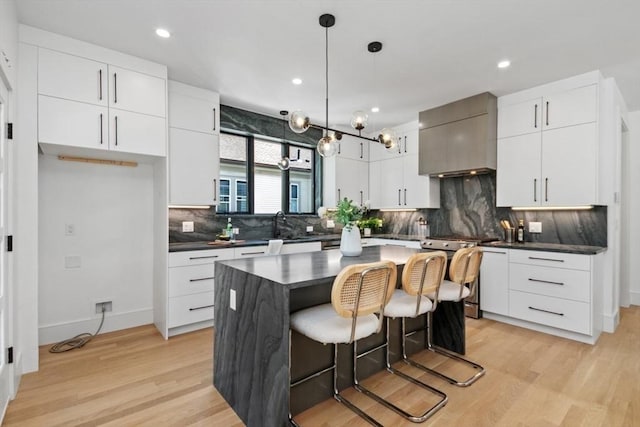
452	244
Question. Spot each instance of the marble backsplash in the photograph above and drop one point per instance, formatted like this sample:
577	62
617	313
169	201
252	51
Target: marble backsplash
467	209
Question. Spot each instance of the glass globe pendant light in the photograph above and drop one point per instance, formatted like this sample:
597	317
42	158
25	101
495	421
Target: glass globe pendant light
359	120
299	122
388	138
327	146
284	162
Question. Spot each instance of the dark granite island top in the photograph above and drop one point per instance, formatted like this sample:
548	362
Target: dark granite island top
251	350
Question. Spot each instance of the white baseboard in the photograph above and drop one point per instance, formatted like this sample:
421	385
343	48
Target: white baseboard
49	334
610	322
635	297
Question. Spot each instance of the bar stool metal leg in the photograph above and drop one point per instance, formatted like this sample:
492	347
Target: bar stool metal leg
439	350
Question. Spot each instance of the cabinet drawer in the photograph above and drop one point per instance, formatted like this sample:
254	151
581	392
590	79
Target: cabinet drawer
554	312
250	252
191	279
551	259
554	282
179	259
188	309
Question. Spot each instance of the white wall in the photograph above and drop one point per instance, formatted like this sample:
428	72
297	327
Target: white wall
111	210
8	40
633	206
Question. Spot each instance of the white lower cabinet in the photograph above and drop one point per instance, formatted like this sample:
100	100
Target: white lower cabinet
549	291
192	282
191	287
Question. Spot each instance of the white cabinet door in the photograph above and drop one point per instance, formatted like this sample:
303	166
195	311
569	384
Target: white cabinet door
192	113
520	119
518	175
353	148
72	123
571	107
569	166
419	191
352	180
391	183
137	133
72	77
137	92
374	185
494	281
194	167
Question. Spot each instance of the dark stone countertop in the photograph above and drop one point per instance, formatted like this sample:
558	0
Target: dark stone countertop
196	246
305	269
549	247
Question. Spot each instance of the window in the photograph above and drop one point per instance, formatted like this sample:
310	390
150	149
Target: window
251	182
293	198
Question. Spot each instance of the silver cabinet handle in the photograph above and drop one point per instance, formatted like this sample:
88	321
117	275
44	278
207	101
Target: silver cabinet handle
100	84
101	130
546	311
361	151
252	253
535	116
535	189
546	259
399	192
546	281
547	113
361	199
496	252
201	307
405	143
115	88
204	257
201	279
405	197
339	198
214	119
399	145
546	189
116	119
215	190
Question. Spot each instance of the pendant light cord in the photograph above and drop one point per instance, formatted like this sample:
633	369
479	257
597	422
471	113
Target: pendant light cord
326	79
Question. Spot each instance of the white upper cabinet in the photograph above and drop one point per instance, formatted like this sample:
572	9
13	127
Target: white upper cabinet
194	146
137	92
352	180
91	104
72	77
393	175
191	112
354	148
548	145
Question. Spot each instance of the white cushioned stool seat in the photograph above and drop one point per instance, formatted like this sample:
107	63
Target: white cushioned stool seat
323	324
450	291
404	305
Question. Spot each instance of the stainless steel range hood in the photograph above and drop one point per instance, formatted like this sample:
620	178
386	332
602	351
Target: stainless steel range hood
459	138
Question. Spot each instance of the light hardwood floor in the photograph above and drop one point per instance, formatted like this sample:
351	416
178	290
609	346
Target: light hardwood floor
134	377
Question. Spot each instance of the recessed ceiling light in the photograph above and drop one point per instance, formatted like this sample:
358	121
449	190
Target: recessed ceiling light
296	81
504	64
375	109
161	32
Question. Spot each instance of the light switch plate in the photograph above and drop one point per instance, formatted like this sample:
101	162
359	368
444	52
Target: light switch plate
309	228
330	223
535	227
187	226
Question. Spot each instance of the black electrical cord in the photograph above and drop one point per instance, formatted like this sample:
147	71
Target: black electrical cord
77	341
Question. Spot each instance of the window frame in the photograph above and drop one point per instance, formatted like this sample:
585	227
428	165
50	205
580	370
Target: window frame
286	145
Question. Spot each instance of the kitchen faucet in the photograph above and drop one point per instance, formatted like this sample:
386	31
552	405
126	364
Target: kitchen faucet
276	233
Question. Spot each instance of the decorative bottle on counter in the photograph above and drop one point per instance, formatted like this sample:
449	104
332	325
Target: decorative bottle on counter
230	230
520	237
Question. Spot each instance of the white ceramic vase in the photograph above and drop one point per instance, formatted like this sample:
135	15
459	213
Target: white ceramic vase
350	244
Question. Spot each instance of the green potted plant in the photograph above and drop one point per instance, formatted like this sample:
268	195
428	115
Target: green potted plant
369	224
348	214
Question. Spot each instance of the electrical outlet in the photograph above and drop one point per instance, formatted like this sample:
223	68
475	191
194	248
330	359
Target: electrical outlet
330	223
535	227
69	230
108	306
232	300
309	228
187	226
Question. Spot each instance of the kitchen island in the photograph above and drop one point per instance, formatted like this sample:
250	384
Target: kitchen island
253	301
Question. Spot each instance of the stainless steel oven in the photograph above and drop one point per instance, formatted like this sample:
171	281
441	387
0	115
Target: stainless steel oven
452	244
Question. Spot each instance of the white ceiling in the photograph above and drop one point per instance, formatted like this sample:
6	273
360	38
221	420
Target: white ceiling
435	51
